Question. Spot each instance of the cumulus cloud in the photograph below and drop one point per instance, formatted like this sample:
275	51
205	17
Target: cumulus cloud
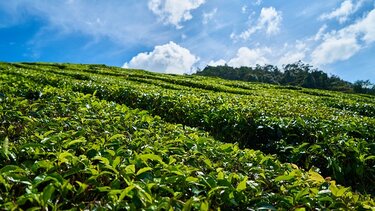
296	53
364	27
174	11
292	57
346	42
335	49
245	57
219	62
168	58
269	20
343	12
249	57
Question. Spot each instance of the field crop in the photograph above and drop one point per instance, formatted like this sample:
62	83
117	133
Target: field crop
72	136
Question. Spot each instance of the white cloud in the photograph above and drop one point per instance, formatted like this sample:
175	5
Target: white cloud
244	35
335	49
291	57
168	58
249	57
343	44
117	21
343	12
365	27
219	62
208	16
245	57
297	53
269	21
321	32
174	11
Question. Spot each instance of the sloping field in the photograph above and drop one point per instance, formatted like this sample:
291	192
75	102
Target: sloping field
78	136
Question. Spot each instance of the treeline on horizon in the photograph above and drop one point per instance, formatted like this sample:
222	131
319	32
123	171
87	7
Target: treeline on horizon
295	74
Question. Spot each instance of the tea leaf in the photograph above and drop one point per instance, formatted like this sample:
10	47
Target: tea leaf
242	185
143	170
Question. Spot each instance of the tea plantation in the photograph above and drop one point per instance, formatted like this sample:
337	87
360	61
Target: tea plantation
86	137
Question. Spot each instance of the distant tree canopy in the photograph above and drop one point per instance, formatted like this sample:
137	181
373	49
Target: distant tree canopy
365	87
296	74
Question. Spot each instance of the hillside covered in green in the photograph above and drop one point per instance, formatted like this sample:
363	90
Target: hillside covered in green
92	136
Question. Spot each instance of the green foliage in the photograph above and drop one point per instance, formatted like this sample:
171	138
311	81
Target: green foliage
68	141
274	119
365	87
296	74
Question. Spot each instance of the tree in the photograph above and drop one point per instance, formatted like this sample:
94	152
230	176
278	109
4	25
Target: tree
296	74
361	86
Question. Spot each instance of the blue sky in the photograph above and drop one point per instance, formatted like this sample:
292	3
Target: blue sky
179	36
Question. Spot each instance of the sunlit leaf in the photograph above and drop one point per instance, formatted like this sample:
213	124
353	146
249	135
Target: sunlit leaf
143	170
242	185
